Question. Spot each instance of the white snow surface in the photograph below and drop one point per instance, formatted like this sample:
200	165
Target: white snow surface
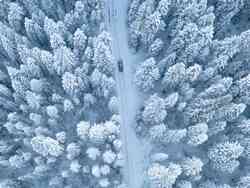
135	150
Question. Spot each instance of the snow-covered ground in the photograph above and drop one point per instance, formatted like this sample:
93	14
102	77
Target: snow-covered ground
135	150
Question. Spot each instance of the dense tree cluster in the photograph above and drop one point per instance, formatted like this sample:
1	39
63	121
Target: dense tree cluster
56	79
195	77
59	113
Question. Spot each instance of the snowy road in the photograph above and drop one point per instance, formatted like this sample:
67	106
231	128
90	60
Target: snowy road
134	150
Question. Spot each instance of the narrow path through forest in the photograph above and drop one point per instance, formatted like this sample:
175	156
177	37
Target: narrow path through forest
135	151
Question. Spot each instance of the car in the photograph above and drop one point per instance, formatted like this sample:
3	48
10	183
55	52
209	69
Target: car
120	65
